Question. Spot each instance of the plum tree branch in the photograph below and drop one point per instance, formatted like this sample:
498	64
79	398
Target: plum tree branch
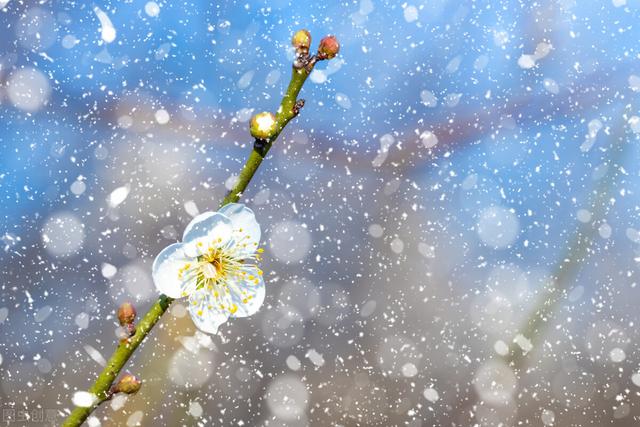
289	108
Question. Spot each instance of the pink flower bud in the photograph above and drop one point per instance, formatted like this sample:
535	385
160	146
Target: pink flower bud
128	384
126	313
329	47
301	40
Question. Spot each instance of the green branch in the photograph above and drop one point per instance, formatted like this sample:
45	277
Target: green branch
289	108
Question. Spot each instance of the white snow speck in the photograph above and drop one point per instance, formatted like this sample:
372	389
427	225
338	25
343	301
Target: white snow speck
526	61
84	399
548	417
551	86
594	127
135	419
409	370
82	320
501	348
152	9
318	76
343	101
195	409
524	343
95	355
28	89
386	141
617	355
107	31
245	80
428	98
191	208
428	139
315	357
108	270
118	196
293	362
43	313
431	394
410	14
162	117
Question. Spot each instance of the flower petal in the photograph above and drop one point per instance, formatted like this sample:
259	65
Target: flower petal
174	273
246	292
204	229
206	312
246	228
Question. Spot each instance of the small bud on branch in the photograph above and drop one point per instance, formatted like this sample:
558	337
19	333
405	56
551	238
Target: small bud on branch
126	314
301	41
128	384
329	48
263	125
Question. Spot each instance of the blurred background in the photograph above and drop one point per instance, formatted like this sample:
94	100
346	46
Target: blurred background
452	225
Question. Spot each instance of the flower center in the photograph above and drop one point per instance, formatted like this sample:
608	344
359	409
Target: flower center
209	270
213	266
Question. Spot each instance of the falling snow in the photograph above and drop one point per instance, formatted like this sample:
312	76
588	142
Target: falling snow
451	226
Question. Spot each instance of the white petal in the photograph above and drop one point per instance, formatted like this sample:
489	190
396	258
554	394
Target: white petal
167	274
204	229
246	228
247	293
206	312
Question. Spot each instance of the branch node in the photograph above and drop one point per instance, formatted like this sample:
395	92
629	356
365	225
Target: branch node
297	107
261	146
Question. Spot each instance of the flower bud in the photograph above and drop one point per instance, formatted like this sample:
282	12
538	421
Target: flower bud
126	313
128	384
301	40
329	47
263	125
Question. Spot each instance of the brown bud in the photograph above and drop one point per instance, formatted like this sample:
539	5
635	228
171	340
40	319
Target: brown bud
128	384
301	40
126	313
329	47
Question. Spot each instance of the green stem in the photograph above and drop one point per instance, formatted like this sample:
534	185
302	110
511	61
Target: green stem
117	361
124	351
576	254
249	169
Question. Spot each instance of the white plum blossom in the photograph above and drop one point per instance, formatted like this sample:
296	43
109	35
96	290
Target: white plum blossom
215	267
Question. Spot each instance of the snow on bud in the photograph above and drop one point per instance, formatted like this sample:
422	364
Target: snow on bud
128	384
263	125
126	314
329	47
301	40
